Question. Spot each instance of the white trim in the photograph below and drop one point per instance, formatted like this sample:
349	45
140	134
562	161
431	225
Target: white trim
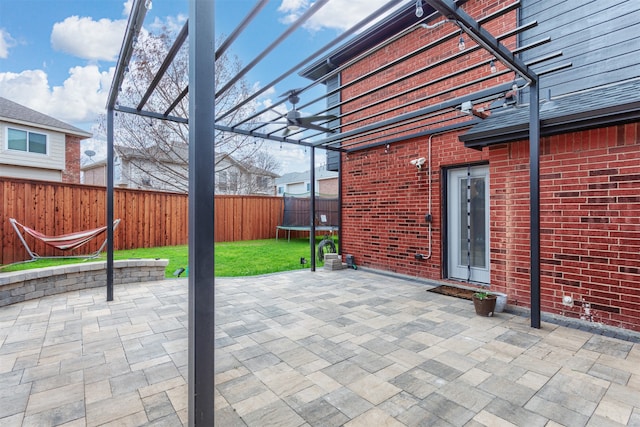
459	268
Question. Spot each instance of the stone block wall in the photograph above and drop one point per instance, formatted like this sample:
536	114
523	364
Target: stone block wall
26	285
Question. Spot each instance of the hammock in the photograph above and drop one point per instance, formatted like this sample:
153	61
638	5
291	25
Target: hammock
64	242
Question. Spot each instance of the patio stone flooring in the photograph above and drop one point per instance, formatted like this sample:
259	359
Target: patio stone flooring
330	348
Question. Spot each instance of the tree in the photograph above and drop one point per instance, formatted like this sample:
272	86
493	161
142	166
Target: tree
154	153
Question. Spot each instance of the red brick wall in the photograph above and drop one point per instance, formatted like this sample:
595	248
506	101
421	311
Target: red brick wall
71	173
385	200
590	224
590	197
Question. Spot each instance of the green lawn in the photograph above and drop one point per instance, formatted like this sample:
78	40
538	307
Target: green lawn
247	258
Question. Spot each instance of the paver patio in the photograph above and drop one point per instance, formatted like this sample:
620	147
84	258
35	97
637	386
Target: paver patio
346	347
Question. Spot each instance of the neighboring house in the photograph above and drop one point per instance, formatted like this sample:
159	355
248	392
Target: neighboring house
160	171
326	182
36	146
95	173
234	177
464	217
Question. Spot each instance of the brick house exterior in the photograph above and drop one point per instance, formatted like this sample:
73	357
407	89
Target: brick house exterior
71	173
590	224
589	175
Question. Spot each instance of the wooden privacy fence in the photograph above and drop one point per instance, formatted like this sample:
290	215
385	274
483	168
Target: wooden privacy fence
148	218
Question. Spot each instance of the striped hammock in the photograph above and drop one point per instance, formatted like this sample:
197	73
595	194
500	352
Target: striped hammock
64	242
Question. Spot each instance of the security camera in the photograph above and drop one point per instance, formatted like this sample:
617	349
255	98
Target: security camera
418	162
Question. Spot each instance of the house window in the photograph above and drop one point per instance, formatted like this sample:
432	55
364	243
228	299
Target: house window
262	182
233	182
222	181
21	140
308	186
280	190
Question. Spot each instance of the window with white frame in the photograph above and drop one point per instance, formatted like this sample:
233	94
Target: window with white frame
262	182
22	140
222	181
234	181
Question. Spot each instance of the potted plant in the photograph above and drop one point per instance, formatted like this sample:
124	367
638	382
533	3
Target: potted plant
484	303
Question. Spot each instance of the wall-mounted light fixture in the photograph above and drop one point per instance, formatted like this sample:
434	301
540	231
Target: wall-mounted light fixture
419	9
492	67
461	45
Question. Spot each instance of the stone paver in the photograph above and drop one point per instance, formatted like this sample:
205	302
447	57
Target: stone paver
330	348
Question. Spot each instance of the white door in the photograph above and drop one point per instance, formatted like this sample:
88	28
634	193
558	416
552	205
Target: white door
468	224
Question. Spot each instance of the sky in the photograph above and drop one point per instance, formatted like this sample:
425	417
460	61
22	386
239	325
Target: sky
58	56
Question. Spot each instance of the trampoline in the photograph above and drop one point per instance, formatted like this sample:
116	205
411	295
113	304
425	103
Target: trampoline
296	215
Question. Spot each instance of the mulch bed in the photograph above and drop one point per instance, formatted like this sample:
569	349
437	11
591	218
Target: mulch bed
452	291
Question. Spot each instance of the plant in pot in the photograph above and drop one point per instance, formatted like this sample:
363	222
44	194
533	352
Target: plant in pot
484	303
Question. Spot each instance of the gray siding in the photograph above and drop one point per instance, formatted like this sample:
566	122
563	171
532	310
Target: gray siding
600	37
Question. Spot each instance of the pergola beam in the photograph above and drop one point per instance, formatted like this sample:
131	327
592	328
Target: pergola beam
175	48
452	103
481	36
151	114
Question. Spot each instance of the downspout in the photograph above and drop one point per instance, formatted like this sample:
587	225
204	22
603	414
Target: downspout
428	216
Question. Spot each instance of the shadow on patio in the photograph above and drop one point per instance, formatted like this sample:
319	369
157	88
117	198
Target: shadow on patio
338	348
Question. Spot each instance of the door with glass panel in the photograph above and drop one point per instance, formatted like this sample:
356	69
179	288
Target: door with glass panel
468	224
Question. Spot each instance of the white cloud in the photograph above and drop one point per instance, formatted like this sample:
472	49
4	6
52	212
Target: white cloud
83	95
26	87
6	41
173	24
292	9
336	14
295	158
89	39
126	7
80	99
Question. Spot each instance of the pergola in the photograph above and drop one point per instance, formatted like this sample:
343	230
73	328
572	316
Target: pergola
203	122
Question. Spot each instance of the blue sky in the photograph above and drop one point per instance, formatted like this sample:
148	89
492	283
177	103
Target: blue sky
58	56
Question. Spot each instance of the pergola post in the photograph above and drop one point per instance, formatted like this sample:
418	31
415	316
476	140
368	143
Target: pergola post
201	212
534	201
312	208
110	203
450	10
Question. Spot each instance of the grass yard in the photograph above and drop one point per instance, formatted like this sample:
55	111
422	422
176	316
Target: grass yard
247	258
